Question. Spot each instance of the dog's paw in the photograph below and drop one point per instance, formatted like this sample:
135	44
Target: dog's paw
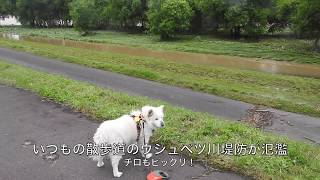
100	164
118	174
149	155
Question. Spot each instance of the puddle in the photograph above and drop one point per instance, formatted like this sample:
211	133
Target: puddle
258	117
269	66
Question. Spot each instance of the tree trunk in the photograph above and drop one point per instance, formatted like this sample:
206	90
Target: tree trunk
232	33
237	32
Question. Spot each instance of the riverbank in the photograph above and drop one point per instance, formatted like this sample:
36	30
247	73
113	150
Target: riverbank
102	104
289	93
280	49
255	64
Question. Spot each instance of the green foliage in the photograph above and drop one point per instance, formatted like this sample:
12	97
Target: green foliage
280	15
84	15
236	19
248	16
213	12
124	13
7	7
45	13
167	17
196	19
306	20
33	12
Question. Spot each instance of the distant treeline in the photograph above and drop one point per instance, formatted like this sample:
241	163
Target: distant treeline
250	18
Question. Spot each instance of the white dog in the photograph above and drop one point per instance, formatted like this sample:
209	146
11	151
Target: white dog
128	129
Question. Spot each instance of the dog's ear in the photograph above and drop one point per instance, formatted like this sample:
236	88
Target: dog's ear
150	113
161	107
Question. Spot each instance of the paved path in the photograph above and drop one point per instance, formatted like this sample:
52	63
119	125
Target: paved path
25	118
293	125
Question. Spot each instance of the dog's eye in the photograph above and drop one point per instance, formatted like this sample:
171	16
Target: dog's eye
156	118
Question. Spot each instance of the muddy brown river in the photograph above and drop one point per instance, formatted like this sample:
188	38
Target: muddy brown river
262	65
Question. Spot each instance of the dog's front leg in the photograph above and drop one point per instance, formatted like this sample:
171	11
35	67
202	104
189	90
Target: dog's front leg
115	164
142	147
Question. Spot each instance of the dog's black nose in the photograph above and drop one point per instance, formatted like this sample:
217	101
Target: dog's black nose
162	124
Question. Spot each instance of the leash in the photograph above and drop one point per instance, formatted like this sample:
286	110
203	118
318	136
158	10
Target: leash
153	175
139	121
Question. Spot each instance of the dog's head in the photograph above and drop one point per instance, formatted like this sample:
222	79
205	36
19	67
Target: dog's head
153	116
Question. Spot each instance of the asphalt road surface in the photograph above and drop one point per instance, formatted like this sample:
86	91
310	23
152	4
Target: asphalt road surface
27	121
295	126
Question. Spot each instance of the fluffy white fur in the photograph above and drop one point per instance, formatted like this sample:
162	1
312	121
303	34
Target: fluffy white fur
124	131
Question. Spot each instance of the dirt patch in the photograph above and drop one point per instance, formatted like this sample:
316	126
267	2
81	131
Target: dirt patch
258	117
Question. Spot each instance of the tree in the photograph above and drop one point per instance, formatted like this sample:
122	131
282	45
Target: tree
247	16
7	7
43	13
236	19
32	12
61	11
84	15
167	17
196	19
258	12
213	12
280	14
306	20
124	13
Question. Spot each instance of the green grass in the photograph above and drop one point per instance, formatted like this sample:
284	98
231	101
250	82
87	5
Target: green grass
182	126
290	93
300	51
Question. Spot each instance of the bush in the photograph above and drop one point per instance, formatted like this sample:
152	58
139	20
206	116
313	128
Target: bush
249	17
236	19
212	12
167	17
124	13
84	15
306	20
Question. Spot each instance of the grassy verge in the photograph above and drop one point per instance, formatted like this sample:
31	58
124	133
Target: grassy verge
300	51
183	126
290	93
